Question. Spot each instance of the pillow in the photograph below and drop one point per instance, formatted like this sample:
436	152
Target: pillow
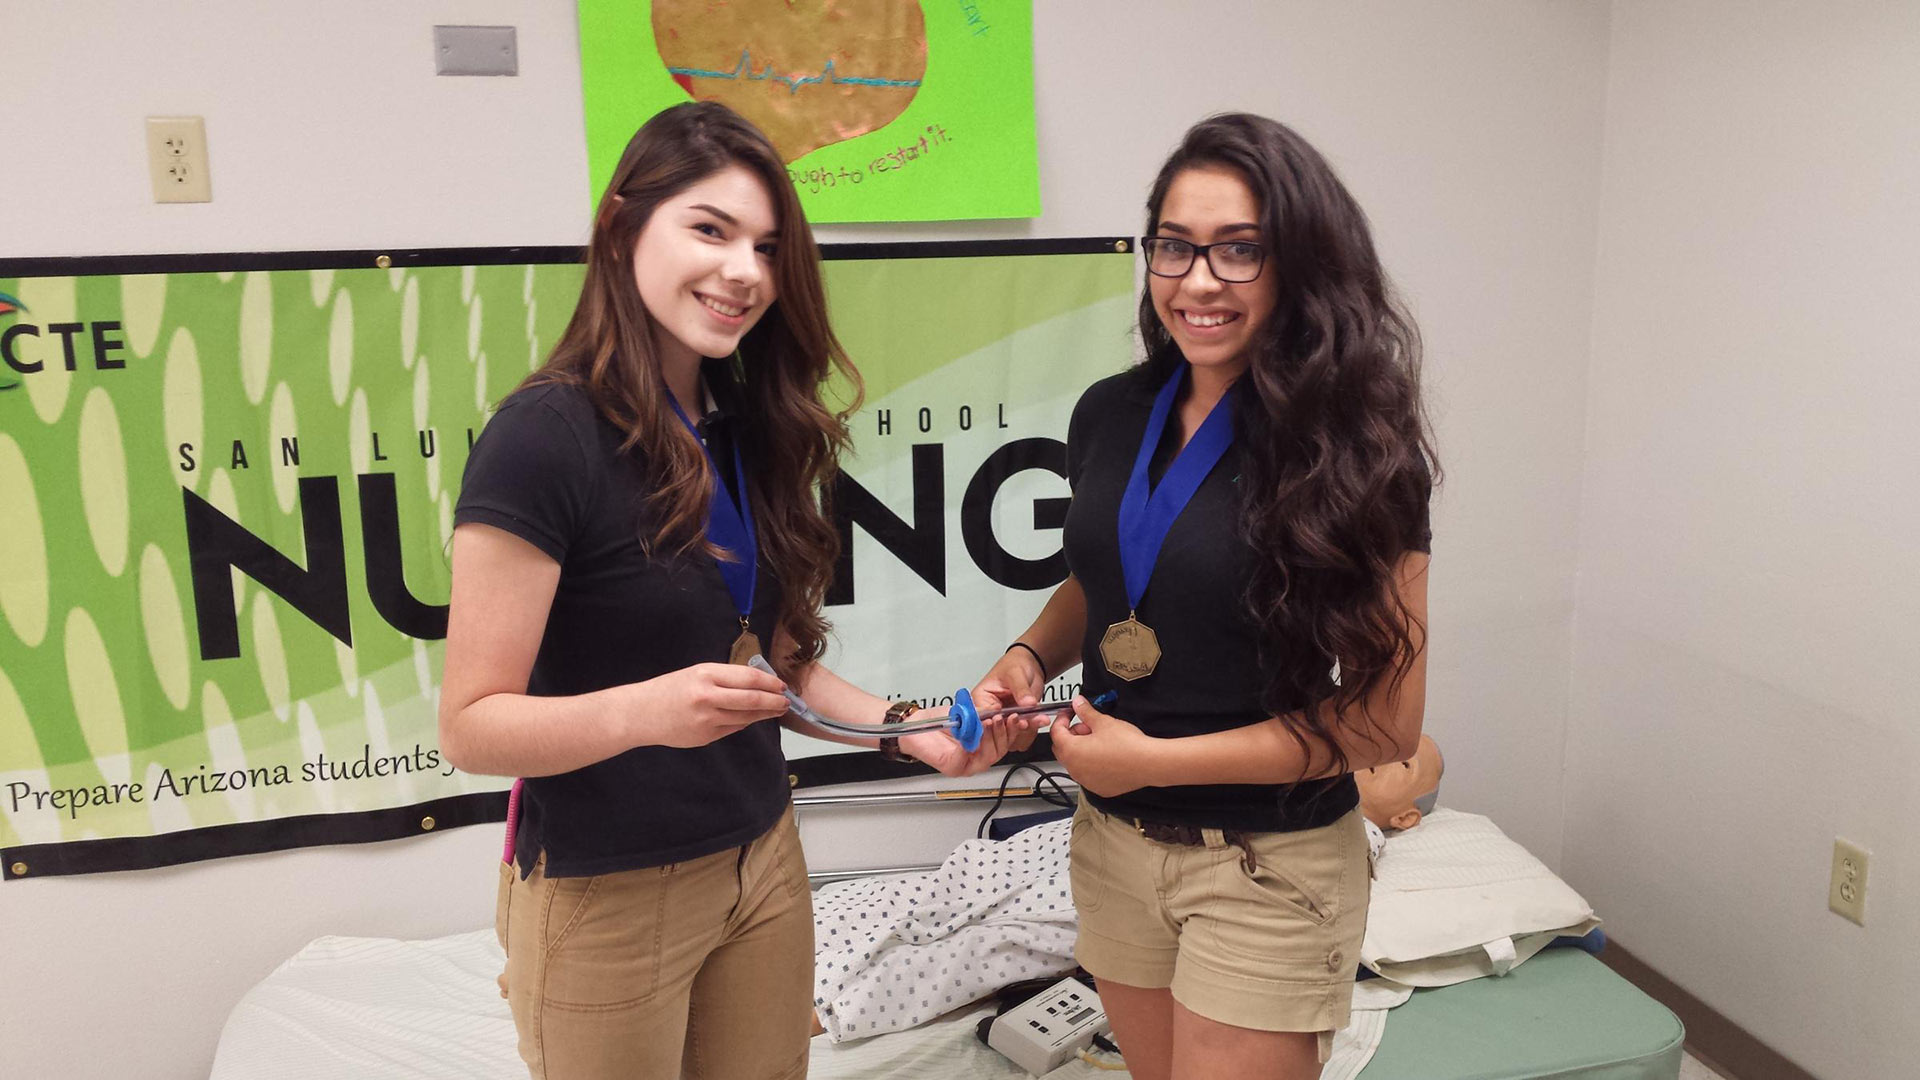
1455	899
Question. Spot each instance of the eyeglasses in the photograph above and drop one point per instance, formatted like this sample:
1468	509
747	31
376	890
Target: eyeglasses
1233	261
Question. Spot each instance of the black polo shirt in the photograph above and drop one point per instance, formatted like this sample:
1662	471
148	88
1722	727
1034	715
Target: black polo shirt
1208	678
548	469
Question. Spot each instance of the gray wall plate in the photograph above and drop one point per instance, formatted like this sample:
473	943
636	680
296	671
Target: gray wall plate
475	50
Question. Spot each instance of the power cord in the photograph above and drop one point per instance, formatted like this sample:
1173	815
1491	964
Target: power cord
1057	797
1102	1043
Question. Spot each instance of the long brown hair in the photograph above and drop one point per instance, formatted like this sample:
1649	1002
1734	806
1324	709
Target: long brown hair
1337	457
790	436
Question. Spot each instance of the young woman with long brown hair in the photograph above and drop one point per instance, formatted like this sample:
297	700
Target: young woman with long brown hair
639	518
1247	546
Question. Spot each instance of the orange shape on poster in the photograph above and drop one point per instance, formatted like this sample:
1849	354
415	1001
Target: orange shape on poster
809	73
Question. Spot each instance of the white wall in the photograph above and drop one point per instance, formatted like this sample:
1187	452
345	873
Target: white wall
1744	683
1470	132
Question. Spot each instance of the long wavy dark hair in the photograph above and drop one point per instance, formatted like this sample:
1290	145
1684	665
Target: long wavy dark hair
1337	458
792	437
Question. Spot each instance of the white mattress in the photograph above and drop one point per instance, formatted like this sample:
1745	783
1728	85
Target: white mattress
380	1009
376	1008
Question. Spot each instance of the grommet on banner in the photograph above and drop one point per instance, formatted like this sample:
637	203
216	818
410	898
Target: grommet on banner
1120	245
19	869
384	262
427	823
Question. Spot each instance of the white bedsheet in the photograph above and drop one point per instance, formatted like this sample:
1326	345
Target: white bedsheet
376	1009
380	1009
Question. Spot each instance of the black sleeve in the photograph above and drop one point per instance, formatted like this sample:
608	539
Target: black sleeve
529	474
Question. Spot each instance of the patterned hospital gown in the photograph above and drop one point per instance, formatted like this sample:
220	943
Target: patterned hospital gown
894	952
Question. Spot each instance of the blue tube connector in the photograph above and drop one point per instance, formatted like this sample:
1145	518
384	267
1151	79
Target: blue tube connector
963	718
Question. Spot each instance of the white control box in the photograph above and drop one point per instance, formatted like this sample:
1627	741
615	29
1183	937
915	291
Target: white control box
1050	1029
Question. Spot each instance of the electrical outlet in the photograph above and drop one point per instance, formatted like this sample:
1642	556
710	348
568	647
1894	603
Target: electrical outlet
177	159
1847	892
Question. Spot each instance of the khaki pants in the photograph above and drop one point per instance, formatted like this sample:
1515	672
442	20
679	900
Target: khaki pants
700	969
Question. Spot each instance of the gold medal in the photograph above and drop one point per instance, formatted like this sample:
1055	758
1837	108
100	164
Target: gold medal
745	647
1130	649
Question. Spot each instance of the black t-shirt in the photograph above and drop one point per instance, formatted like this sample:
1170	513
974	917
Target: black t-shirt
1208	678
548	469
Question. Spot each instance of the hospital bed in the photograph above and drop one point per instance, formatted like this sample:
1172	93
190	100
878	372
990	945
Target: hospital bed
380	1009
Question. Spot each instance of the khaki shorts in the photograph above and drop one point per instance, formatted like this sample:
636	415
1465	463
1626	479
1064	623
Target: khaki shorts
701	969
1274	948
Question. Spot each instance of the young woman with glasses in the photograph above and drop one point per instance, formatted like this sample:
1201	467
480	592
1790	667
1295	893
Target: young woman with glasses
635	522
1247	547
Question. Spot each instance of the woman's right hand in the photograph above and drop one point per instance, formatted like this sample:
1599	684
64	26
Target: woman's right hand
698	705
1015	679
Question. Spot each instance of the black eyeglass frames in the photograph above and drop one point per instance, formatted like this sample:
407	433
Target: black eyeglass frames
1232	261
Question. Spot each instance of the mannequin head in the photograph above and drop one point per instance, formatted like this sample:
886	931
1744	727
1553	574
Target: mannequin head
1397	795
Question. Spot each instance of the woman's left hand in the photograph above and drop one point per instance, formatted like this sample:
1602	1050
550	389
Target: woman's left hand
1104	754
944	752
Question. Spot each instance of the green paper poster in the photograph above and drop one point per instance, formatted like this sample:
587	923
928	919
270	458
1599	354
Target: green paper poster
884	110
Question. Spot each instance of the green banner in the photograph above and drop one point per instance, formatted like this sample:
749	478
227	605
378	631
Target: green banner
884	110
228	499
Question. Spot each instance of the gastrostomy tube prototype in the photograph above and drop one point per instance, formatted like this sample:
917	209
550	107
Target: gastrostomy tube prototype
962	719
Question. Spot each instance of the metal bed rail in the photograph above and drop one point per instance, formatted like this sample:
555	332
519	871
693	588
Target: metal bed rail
899	798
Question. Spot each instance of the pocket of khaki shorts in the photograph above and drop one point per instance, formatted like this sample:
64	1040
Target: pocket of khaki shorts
1276	882
1084	872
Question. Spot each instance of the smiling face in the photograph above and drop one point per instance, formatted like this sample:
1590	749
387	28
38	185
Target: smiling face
1387	791
704	264
1213	322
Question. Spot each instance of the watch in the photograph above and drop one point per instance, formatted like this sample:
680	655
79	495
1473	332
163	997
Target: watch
890	744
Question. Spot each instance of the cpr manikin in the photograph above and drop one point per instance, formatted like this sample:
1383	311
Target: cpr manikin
1397	795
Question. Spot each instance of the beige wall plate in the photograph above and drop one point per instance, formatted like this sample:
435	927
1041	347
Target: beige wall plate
1847	888
177	159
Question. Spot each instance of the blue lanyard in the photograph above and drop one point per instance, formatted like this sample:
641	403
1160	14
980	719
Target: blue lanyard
730	524
1147	514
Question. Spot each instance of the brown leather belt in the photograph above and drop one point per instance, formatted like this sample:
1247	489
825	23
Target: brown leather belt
1195	836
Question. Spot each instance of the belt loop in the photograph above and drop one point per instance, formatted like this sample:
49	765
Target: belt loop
1213	838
